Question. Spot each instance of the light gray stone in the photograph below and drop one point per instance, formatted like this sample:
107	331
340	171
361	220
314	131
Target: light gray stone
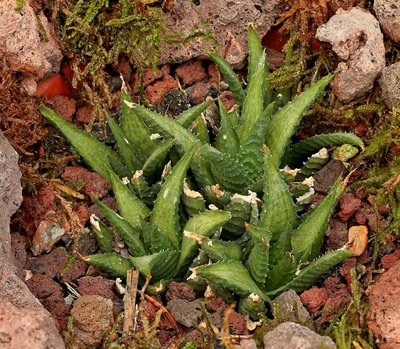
22	46
185	312
30	322
390	85
288	307
226	20
294	336
388	13
357	40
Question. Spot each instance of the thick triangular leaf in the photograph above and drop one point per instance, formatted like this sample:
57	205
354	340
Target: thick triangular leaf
231	275
231	78
129	206
251	155
314	272
300	151
203	224
227	140
278	210
187	117
228	173
307	239
134	129
158	266
93	152
165	212
129	234
258	260
253	104
125	150
284	123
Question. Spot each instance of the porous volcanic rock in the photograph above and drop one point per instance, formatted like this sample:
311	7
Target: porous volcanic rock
295	336
390	86
21	44
91	317
227	22
388	13
24	323
357	40
383	317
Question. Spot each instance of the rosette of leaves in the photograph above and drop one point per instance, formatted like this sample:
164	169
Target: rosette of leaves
149	219
265	247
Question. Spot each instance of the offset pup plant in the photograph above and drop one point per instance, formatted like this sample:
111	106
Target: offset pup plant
264	247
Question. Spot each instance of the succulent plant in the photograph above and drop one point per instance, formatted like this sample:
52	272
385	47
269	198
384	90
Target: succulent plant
250	240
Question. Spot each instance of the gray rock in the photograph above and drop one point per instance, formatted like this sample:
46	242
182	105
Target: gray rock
388	13
248	344
91	318
21	44
18	306
288	307
294	336
357	40
327	175
226	20
390	84
185	312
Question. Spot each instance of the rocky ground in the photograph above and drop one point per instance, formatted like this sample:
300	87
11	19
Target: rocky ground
47	291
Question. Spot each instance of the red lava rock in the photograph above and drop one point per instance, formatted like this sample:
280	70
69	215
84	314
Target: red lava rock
314	299
124	68
360	217
98	285
180	290
19	243
227	99
213	74
198	92
334	304
390	260
58	309
84	114
361	193
237	323
376	222
94	209
43	286
215	304
50	264
94	183
349	205
383	317
82	213
50	294
149	76
336	234
360	128
166	337
333	285
37	206
275	58
191	72
65	106
73	271
344	270
156	92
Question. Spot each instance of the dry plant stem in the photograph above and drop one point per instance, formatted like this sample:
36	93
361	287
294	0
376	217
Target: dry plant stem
163	309
225	332
130	300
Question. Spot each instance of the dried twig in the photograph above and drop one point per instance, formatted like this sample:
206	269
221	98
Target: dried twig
130	300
